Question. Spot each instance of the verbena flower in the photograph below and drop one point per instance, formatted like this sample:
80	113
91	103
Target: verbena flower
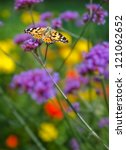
30	45
25	3
103	122
96	60
72	82
36	83
39	24
85	17
69	15
79	23
56	23
20	38
98	14
46	15
74	144
75	105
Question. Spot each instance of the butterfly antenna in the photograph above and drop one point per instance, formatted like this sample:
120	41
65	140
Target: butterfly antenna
46	52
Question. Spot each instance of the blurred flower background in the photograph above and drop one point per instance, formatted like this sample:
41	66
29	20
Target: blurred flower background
33	113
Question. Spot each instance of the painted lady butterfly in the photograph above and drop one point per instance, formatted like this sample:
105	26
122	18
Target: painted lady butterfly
47	34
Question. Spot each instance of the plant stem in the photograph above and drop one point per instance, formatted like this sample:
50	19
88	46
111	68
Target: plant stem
67	100
74	132
30	12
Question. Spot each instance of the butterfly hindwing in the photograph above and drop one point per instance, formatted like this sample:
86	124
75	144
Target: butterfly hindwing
56	36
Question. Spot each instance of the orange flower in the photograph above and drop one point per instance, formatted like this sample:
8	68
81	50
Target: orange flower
12	141
72	74
52	108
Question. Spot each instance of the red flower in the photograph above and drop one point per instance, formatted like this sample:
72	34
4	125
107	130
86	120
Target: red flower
52	108
12	141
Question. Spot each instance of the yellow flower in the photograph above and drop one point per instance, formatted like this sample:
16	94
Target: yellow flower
7	45
83	46
6	64
74	58
26	18
60	44
48	132
88	94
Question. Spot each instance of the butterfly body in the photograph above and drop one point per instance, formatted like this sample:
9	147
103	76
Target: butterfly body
46	34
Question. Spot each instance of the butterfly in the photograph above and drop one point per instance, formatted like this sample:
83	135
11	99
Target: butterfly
46	34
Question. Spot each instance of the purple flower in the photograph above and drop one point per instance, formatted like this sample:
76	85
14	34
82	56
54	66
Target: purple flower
46	15
98	13
85	17
72	84
25	3
56	23
76	106
30	45
69	15
79	23
96	60
20	38
36	83
74	144
103	122
39	24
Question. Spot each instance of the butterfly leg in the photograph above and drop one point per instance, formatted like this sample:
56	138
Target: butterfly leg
46	53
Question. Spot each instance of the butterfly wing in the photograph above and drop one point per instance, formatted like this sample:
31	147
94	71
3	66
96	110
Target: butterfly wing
37	33
47	34
58	37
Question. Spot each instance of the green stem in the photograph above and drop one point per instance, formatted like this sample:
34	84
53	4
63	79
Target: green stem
67	100
74	132
73	46
21	120
31	14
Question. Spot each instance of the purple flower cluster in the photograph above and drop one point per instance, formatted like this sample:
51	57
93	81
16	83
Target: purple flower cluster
25	3
30	45
56	23
36	83
20	38
96	60
69	15
72	84
46	15
74	144
103	122
98	14
27	42
38	24
85	17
